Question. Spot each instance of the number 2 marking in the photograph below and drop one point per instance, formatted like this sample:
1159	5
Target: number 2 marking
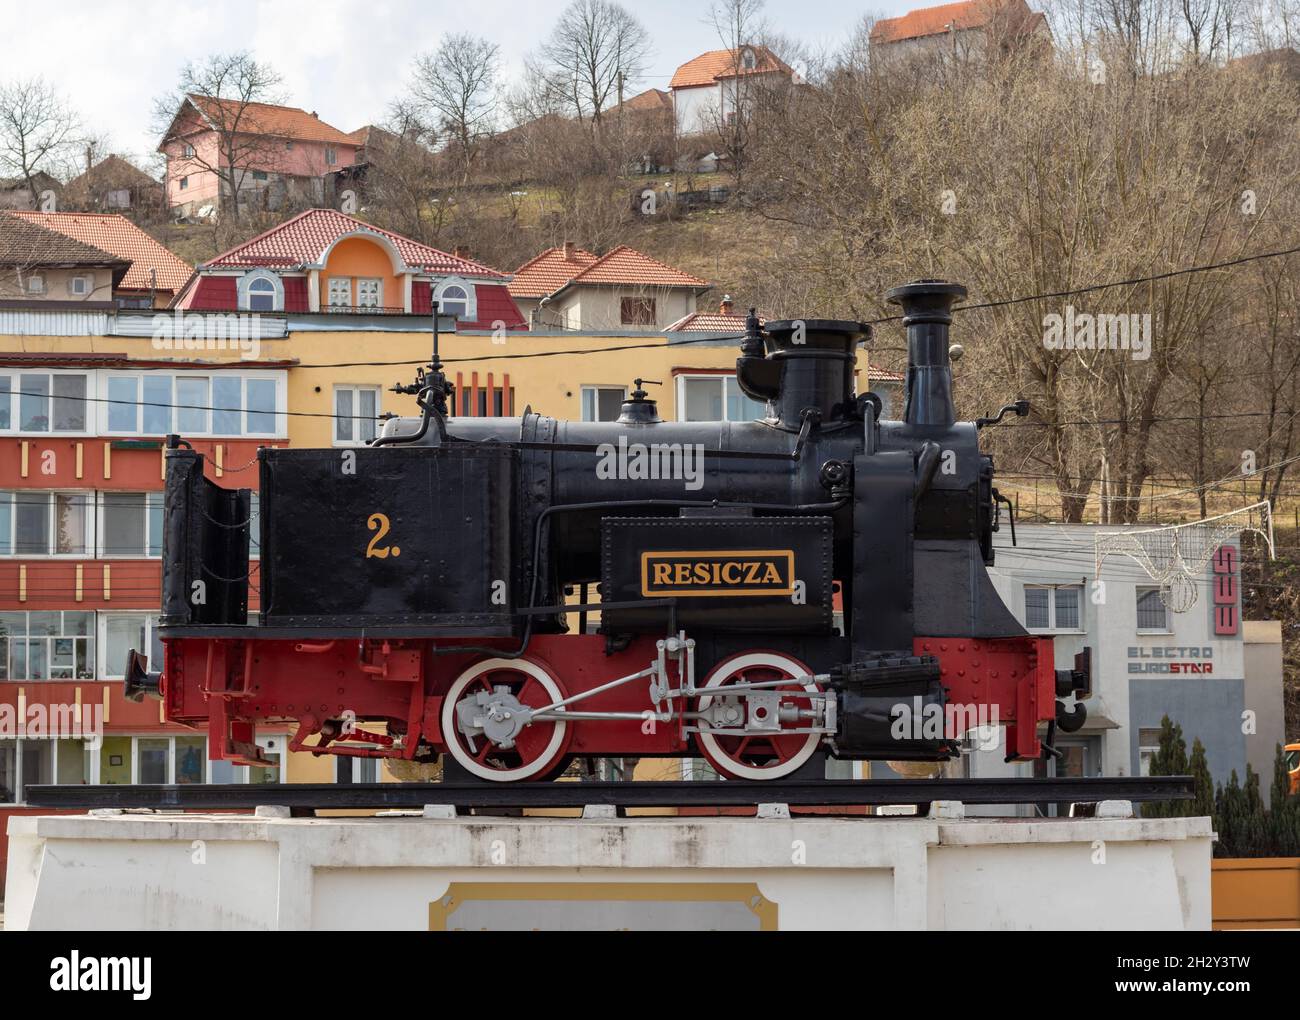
380	522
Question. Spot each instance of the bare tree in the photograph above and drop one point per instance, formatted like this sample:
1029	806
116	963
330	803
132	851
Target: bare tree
223	93
1027	177
596	48
402	174
738	24
457	85
36	130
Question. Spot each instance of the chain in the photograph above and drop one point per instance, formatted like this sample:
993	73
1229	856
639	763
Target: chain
242	467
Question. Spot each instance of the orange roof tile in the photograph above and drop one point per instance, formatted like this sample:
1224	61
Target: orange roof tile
708	68
938	20
548	272
114	233
649	101
710	322
24	243
268	119
629	266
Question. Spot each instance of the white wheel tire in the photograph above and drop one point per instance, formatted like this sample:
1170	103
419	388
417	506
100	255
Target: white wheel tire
749	660
452	737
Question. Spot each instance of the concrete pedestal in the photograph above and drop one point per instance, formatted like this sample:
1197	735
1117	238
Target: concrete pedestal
172	871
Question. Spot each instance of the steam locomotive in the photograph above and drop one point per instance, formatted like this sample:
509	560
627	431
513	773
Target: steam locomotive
769	592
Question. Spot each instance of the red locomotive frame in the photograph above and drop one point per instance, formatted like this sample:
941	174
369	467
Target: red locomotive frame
334	689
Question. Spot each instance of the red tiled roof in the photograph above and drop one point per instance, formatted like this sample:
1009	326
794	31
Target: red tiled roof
269	119
629	266
548	272
24	243
938	20
649	101
304	240
213	294
710	322
709	67
114	233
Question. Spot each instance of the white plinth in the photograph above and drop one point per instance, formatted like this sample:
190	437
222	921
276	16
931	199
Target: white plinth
173	871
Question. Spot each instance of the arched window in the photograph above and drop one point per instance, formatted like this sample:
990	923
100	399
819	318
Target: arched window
454	300
748	60
261	296
260	290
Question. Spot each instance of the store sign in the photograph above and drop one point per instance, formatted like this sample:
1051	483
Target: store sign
1225	606
1171	659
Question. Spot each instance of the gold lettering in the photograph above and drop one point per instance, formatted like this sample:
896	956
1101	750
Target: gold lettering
661	571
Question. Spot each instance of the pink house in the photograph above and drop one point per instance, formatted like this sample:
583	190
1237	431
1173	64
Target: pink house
281	155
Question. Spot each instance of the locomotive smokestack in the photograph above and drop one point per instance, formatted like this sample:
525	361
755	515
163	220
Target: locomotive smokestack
927	314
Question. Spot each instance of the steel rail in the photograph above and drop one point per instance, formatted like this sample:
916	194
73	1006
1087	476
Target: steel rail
728	793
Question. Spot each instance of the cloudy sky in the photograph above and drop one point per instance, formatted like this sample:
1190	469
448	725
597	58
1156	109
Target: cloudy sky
343	58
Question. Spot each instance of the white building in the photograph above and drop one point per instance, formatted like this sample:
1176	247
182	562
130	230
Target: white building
963	31
708	90
1148	661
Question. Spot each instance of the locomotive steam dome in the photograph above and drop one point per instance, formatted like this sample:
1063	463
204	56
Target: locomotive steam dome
808	363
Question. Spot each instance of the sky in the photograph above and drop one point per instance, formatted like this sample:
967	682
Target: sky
345	59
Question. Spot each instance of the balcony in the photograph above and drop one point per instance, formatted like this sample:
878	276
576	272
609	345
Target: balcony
362	310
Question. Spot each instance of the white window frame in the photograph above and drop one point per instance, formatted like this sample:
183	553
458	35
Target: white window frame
280	419
15	402
101	520
722	379
110	671
362	283
592	393
470	299
245	283
92	636
1138	592
86	283
1052	628
87	539
36	283
338	281
356	390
